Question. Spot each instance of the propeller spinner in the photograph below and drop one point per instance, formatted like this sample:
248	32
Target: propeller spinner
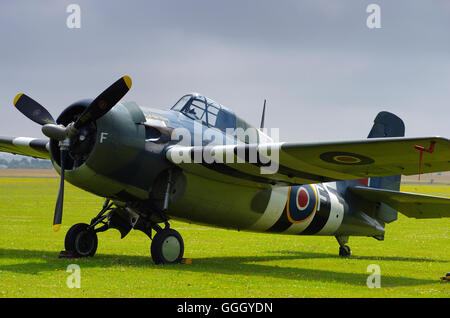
97	108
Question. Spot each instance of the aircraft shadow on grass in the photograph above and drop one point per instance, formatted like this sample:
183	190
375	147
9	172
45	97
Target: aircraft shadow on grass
243	265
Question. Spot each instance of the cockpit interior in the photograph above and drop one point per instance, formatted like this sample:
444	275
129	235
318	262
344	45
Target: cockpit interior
212	114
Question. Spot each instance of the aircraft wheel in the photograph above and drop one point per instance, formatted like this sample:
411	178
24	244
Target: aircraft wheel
81	241
345	251
167	247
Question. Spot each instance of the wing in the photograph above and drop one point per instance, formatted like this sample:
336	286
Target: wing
296	163
32	147
412	205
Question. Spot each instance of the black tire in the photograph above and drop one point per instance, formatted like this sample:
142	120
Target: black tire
345	251
81	241
167	247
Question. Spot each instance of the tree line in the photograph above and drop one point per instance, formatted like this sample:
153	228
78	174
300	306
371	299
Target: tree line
25	163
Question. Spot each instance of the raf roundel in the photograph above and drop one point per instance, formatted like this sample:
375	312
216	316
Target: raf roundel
346	158
302	199
302	203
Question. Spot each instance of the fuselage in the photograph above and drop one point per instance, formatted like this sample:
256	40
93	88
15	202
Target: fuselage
127	164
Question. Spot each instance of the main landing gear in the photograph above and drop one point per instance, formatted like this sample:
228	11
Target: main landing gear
344	250
167	246
81	240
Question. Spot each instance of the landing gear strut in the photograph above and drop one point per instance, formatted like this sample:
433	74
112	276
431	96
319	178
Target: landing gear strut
81	239
167	245
344	250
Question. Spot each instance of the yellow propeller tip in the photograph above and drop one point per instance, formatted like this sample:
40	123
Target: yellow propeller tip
127	81
56	227
17	98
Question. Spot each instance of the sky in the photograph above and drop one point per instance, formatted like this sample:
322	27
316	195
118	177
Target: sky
324	72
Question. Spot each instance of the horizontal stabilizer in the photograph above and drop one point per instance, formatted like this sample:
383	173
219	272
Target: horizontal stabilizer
412	205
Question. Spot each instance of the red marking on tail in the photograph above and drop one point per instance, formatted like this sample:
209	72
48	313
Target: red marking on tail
364	182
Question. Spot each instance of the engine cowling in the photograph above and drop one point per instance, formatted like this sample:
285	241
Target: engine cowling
110	157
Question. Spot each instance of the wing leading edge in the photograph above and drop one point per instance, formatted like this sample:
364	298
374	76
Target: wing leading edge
31	147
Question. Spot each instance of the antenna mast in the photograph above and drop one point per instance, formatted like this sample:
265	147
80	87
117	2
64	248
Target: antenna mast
263	115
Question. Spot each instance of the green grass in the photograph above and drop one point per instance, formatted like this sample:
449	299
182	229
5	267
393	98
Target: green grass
225	263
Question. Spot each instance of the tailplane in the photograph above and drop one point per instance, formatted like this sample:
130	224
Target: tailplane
413	205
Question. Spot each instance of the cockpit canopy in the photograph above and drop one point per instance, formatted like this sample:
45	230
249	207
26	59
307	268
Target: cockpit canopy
212	114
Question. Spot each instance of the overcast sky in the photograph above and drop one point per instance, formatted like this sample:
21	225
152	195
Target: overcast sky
324	73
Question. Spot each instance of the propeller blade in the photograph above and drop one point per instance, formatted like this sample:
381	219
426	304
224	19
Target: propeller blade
60	200
105	101
33	110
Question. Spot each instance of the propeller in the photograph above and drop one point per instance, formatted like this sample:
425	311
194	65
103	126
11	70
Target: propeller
98	107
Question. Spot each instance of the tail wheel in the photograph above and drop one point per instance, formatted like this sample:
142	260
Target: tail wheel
167	247
345	251
81	240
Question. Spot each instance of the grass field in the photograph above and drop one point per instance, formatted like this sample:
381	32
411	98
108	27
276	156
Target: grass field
225	263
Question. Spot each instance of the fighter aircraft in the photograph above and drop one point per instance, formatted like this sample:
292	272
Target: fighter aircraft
150	171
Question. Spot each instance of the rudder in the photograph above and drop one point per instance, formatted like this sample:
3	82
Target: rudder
386	125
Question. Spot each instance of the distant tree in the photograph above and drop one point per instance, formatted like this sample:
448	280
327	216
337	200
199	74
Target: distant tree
25	163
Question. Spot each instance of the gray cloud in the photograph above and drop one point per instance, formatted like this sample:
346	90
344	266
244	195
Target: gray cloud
324	73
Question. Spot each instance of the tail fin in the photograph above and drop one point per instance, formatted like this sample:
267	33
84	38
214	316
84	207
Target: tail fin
386	125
